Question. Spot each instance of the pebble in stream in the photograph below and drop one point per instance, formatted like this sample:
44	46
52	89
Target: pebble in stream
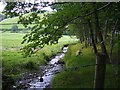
37	81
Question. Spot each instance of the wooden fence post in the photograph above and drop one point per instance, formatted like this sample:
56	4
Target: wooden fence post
100	69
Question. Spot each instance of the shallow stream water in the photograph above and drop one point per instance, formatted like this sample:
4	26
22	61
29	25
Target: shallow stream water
42	79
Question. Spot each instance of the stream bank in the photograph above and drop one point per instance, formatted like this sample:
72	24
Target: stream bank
42	78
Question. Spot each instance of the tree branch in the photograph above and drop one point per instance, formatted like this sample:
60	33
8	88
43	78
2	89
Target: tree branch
91	12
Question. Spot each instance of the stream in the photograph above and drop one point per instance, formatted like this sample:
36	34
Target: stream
42	78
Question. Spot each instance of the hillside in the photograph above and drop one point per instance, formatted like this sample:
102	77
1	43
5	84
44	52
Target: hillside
8	23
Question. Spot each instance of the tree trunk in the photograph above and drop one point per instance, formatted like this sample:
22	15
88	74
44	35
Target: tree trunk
100	68
100	71
103	48
80	39
105	30
89	39
112	40
92	37
95	35
85	37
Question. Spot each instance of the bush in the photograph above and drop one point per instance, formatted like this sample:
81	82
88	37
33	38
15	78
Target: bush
14	29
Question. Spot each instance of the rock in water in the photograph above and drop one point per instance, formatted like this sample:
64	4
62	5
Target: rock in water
41	79
60	62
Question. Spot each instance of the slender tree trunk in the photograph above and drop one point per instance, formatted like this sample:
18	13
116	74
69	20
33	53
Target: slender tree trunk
112	40
89	39
105	30
80	39
95	35
103	48
92	37
85	37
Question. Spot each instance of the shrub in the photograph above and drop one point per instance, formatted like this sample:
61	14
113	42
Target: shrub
14	29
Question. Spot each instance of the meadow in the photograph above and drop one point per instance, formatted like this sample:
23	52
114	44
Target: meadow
7	23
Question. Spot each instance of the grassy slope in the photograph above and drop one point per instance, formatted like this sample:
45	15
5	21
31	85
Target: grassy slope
14	20
83	77
76	78
8	21
13	61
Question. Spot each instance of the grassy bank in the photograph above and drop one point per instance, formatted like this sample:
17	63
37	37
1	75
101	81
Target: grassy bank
80	69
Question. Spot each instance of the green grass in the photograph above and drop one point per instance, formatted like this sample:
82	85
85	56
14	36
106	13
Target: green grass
11	40
14	20
73	59
9	21
77	76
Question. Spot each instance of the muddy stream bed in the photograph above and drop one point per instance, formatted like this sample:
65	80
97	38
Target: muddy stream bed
42	78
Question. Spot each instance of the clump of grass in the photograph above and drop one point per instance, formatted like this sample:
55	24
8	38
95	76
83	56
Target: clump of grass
30	65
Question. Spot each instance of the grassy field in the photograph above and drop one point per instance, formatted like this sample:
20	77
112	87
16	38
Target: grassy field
9	21
12	60
78	75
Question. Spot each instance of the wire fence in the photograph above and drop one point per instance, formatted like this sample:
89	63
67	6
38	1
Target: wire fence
111	76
